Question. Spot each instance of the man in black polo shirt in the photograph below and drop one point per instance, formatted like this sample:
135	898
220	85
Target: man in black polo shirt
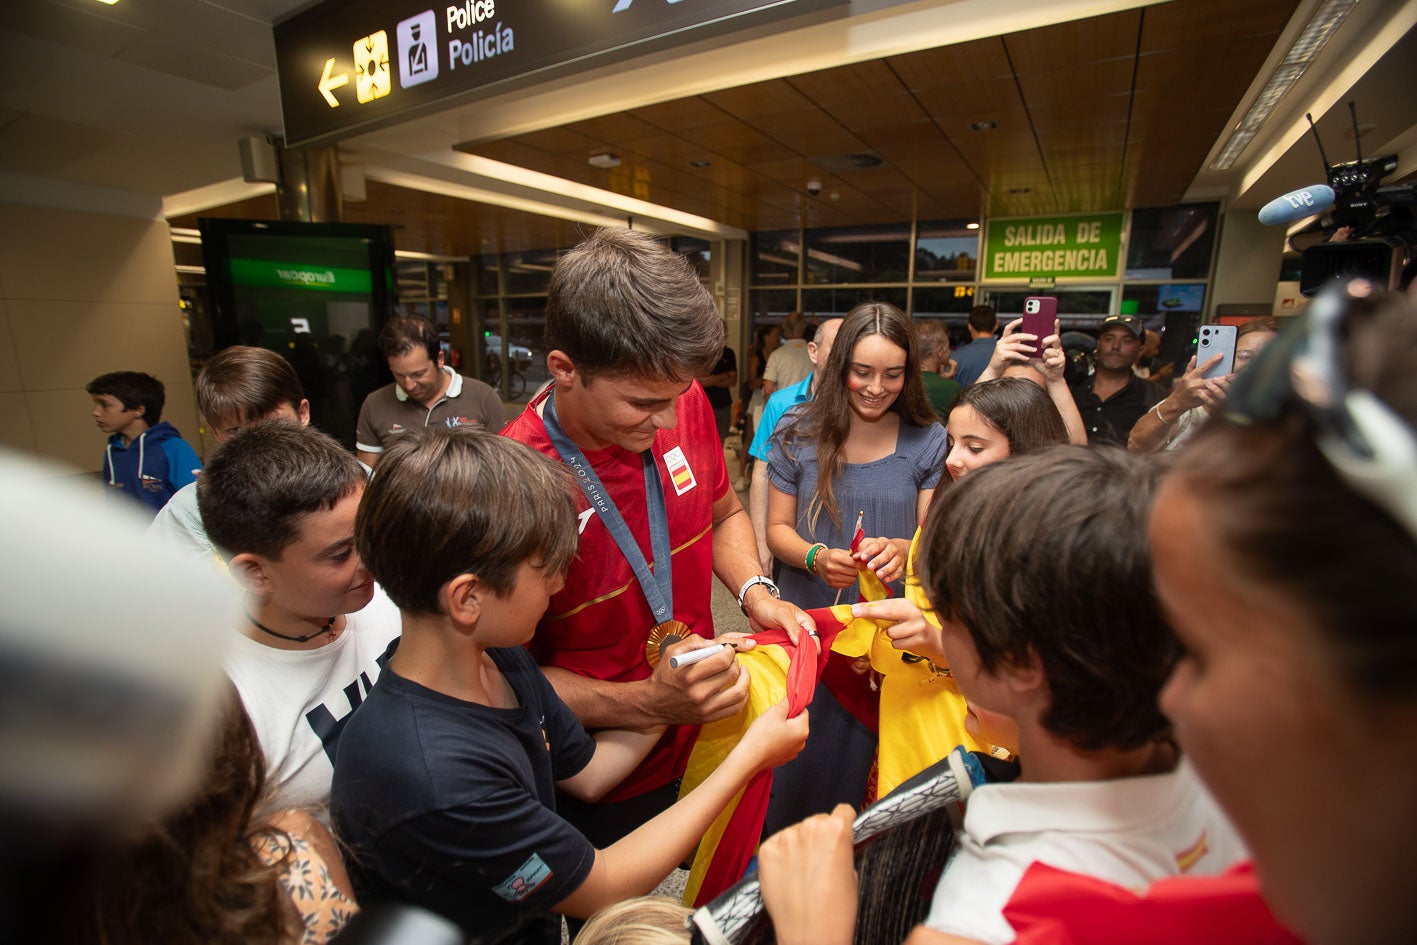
1113	399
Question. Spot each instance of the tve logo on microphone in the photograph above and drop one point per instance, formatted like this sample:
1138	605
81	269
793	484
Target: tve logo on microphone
1297	204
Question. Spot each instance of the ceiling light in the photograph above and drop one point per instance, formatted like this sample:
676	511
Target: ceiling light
1321	26
605	160
109	2
983	125
971	226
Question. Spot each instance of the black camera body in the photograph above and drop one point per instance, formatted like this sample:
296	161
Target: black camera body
1382	227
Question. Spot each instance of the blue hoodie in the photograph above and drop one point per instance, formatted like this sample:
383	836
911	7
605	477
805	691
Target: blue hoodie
152	467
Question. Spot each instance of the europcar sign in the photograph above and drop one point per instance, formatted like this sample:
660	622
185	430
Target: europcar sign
351	65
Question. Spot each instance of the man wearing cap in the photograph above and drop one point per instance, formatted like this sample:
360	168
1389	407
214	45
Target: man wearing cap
1113	399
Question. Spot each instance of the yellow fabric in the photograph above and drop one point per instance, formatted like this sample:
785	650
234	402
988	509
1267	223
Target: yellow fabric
922	710
767	685
925	707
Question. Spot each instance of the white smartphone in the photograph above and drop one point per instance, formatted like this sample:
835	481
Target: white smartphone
1213	340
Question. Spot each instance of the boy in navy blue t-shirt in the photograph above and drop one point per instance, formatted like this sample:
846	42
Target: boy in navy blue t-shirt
446	778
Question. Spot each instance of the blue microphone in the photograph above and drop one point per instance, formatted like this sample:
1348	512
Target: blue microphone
1298	204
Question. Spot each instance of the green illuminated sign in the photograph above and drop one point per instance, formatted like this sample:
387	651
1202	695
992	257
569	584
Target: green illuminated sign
274	274
1068	247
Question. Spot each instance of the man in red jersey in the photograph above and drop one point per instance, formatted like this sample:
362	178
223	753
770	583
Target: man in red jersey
628	329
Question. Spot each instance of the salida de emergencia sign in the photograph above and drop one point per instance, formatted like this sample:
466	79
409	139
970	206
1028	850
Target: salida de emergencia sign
1070	247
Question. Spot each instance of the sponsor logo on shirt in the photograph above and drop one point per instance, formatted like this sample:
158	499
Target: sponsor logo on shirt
679	472
528	878
454	422
151	483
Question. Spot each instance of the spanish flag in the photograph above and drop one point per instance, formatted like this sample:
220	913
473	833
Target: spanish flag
921	721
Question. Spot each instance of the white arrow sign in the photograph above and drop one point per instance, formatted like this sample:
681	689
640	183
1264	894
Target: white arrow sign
328	83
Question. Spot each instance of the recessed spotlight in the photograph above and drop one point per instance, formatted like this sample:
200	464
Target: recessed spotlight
971	226
699	163
604	160
983	125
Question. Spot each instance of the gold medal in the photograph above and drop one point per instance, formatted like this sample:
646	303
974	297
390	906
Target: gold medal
662	637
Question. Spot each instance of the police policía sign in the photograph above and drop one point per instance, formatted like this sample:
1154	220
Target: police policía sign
1079	246
348	66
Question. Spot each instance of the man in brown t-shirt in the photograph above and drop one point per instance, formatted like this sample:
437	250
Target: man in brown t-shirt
425	392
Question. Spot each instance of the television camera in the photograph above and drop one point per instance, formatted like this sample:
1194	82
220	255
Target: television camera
1366	230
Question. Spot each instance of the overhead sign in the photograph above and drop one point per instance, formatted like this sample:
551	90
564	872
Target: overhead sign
347	66
1066	247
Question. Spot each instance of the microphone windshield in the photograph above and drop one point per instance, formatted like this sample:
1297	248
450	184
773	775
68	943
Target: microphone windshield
1297	204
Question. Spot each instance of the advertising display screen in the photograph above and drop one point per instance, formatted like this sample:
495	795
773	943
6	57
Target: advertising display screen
316	293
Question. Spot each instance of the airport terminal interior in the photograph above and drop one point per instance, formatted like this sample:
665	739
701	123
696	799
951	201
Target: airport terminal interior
806	157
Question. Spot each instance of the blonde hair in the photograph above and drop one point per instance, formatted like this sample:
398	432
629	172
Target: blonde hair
644	920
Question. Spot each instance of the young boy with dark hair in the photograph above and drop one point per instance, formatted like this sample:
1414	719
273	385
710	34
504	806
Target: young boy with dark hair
1039	569
146	456
236	387
446	783
278	500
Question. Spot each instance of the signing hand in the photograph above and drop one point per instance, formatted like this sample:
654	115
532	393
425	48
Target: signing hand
700	692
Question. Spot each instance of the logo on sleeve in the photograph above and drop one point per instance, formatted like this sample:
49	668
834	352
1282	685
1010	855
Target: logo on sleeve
679	472
528	878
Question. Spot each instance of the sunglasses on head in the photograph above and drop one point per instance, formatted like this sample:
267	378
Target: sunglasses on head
1366	442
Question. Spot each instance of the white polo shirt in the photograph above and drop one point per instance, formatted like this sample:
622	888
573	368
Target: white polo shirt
1128	831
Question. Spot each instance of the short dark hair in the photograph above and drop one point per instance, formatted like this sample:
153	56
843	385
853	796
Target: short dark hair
1047	555
258	484
622	302
934	337
1020	410
983	318
133	389
405	333
1273	498
472	502
241	383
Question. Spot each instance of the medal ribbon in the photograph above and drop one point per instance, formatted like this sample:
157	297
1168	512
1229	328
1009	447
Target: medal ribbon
658	582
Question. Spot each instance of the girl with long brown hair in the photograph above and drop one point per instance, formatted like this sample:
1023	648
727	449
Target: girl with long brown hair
868	445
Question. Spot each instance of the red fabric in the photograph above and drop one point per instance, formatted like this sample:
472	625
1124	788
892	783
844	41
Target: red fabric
1055	907
872	587
740	838
598	624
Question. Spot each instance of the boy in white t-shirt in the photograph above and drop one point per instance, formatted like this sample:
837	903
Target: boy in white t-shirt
1040	571
278	501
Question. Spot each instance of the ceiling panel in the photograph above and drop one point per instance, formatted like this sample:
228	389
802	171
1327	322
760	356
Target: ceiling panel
1090	115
